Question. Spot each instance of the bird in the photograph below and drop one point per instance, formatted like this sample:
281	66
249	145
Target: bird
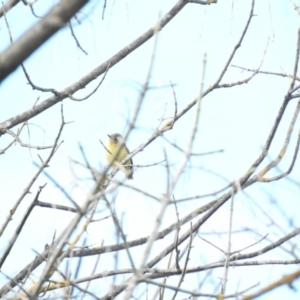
116	151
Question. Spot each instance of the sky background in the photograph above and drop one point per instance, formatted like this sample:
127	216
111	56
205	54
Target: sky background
236	120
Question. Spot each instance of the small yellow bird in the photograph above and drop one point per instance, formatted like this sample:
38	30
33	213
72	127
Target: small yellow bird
117	151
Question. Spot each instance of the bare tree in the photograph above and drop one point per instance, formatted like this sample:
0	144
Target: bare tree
182	252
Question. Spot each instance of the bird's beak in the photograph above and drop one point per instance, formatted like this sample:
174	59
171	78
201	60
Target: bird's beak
109	136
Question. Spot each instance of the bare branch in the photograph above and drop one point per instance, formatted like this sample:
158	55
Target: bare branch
92	75
58	16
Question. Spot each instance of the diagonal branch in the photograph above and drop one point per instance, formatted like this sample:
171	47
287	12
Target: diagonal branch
93	74
39	33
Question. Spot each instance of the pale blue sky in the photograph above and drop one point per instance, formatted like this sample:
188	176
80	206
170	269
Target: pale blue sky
237	119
